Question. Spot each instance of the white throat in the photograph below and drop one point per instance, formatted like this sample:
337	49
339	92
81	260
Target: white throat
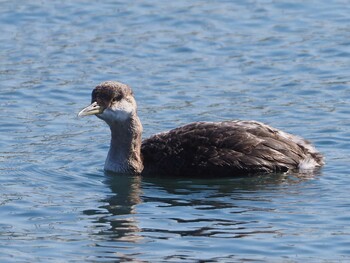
122	112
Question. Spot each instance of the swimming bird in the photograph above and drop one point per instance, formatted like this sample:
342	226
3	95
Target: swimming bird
198	149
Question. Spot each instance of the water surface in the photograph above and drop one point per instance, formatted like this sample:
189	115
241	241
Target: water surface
283	63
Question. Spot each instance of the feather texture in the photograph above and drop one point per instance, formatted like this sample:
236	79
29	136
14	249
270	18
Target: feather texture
224	149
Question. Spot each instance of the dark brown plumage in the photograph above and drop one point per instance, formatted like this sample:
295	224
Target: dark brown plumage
224	149
201	149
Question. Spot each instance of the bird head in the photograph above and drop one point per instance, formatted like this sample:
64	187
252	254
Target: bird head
112	102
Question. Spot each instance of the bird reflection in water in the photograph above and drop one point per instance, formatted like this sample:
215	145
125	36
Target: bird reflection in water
119	209
190	205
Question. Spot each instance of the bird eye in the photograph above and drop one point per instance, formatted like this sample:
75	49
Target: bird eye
118	97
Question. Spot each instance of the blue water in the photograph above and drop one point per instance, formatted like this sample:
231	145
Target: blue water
285	63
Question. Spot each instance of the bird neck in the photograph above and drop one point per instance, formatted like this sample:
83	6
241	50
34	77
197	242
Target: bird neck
124	154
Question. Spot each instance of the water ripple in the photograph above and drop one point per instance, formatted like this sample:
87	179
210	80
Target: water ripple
284	63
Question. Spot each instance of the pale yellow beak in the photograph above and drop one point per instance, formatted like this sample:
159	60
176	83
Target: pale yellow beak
92	109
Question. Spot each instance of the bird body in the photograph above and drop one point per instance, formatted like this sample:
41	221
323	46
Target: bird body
228	148
200	149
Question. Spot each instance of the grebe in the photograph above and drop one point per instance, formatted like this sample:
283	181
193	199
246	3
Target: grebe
199	149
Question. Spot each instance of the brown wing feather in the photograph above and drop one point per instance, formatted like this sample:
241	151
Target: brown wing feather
220	149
